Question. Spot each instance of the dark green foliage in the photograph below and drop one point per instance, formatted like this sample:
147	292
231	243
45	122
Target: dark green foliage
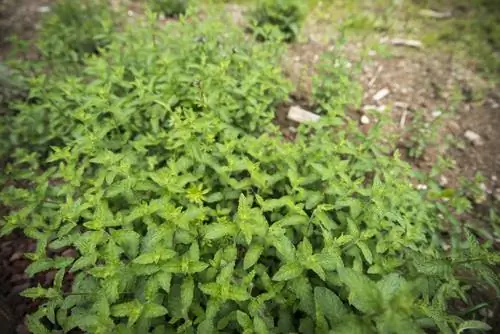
74	28
191	214
285	15
170	8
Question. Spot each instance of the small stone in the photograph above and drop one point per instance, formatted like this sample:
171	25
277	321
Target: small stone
437	113
43	9
16	256
474	138
494	178
381	94
130	13
292	129
299	115
443	181
372	53
369	107
421	186
364	120
446	247
402	105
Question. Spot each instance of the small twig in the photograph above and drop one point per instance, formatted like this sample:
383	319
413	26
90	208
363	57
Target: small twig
372	81
434	14
402	122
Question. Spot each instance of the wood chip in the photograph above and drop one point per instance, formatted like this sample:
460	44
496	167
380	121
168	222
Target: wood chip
474	138
434	14
413	43
381	94
402	122
299	115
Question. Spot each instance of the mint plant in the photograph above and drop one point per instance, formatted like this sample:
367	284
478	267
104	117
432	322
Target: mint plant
286	16
189	212
75	28
170	8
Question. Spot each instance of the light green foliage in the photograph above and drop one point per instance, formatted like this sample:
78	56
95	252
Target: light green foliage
74	28
285	15
191	214
170	8
333	87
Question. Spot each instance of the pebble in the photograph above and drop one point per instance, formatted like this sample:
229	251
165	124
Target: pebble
365	120
300	115
443	180
44	9
421	186
474	138
16	256
381	94
436	113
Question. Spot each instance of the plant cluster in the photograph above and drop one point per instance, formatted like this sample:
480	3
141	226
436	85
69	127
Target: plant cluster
169	8
190	213
74	28
283	15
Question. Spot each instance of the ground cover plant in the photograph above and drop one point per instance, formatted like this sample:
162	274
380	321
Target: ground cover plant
170	8
284	15
158	163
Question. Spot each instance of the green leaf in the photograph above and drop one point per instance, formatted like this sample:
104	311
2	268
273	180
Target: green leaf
288	271
153	310
244	320
220	230
131	310
33	293
187	293
473	324
366	251
329	304
155	256
259	325
252	255
129	240
164	280
363	294
84	261
389	285
39	266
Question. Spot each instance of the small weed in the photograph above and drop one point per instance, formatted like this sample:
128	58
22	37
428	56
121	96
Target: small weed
285	15
422	133
75	28
170	8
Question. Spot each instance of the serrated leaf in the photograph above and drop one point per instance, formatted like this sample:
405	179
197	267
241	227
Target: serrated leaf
187	293
132	310
330	305
288	271
129	240
252	255
473	324
365	250
259	325
220	230
244	320
33	293
153	310
363	293
84	261
39	266
389	285
164	280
